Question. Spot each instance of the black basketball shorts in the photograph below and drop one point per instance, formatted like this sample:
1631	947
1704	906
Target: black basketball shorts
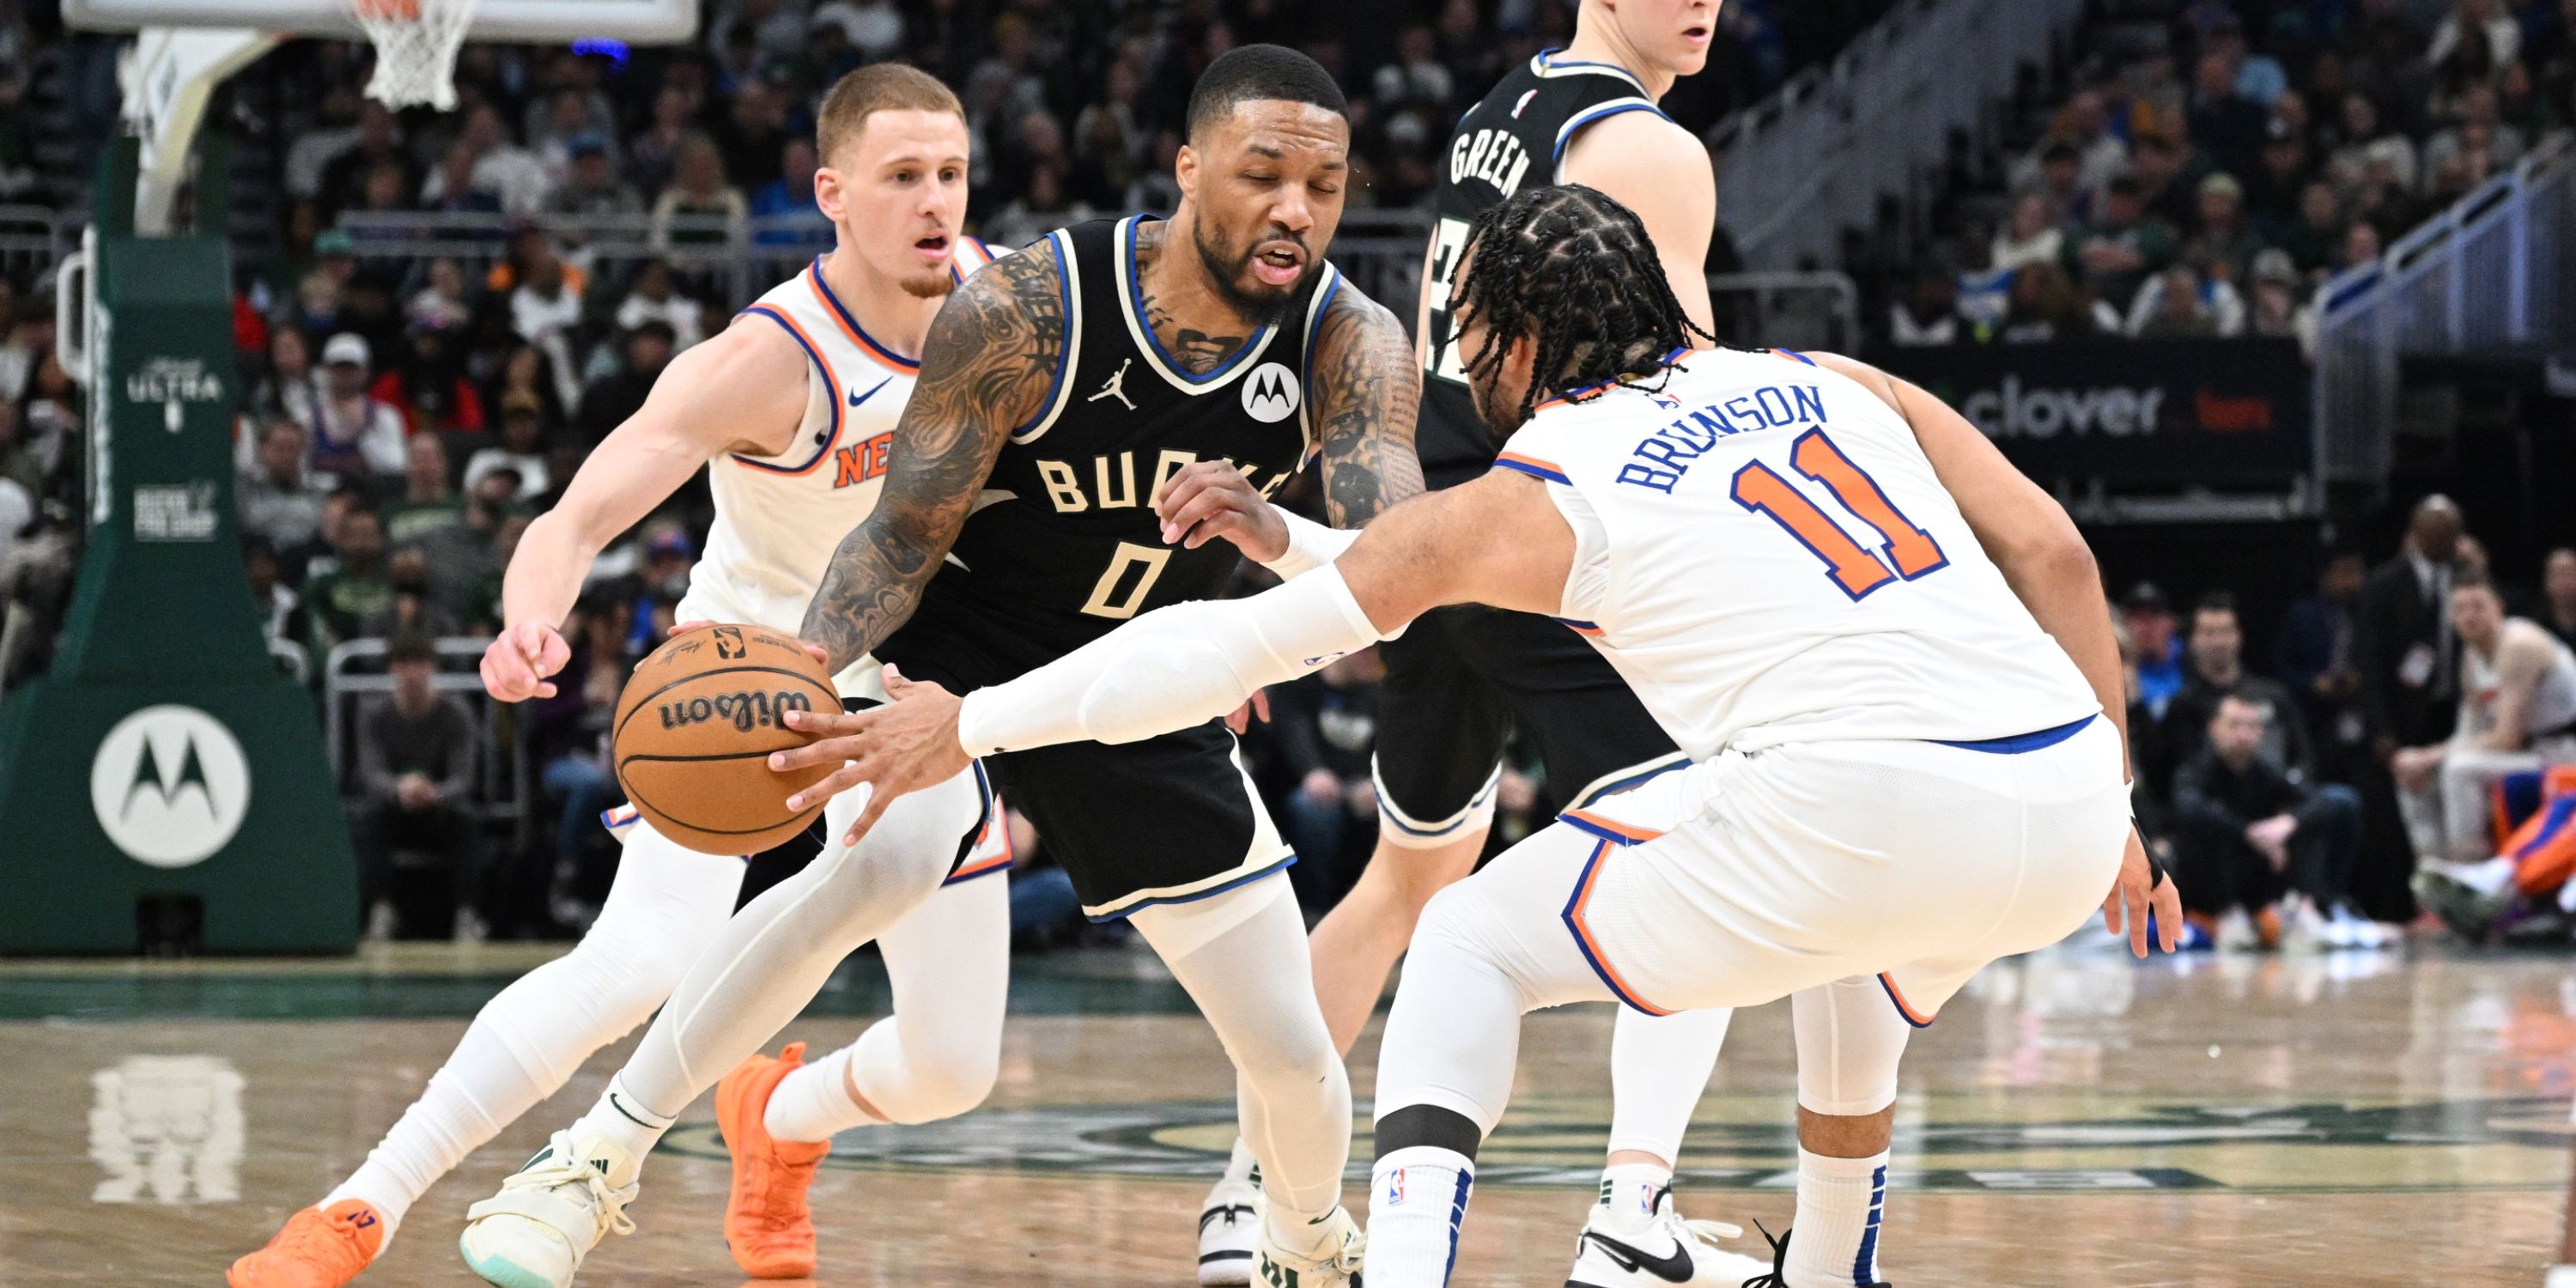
1460	680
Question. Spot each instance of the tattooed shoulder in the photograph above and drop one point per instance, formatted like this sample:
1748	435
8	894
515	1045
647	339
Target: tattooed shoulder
1367	392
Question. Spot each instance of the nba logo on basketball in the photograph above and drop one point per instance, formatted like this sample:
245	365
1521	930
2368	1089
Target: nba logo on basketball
1395	1187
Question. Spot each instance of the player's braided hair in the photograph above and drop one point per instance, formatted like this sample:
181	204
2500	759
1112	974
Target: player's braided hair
1573	269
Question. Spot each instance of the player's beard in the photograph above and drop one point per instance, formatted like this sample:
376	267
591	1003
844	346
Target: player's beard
929	286
1228	269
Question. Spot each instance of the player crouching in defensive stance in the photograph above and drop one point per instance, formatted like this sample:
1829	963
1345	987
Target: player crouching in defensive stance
1885	652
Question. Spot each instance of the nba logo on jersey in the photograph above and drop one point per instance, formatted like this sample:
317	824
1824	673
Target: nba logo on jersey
1395	1187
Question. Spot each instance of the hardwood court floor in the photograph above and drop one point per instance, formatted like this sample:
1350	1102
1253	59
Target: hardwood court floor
2358	1119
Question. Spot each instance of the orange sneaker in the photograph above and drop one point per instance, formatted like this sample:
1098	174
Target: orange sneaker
767	1226
318	1249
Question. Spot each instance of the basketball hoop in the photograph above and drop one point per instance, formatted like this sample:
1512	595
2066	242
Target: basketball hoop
416	43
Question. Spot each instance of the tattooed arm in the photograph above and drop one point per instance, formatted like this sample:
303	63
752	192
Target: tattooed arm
1367	388
985	371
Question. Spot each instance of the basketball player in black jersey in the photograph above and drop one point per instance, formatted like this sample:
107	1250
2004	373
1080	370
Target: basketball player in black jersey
1059	391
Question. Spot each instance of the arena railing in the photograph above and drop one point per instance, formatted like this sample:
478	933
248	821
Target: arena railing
33	239
1818	154
2496	271
354	672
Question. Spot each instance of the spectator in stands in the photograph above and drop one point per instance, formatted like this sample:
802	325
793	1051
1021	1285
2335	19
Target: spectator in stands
356	587
377	143
290	387
2031	237
2277	309
280	501
529	370
1929	315
2479	131
2223	241
441	300
2246	833
430	388
429	501
2181	303
2214	667
1108	143
522	449
2271	188
334	130
501	167
2045	306
873	28
568	733
2149	619
700	207
652	154
2118	253
2558	594
2224	121
2317	237
2367	140
412	610
2470	64
2487	20
2360	245
355	434
614	397
49	413
461	556
454	187
656	298
591	188
752	132
2061	182
282	619
2082	129
416	754
545	306
1324	728
787	201
2317	657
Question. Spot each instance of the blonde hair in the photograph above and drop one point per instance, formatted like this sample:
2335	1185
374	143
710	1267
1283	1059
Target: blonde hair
879	87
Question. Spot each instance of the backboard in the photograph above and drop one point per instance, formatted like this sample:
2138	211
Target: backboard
527	21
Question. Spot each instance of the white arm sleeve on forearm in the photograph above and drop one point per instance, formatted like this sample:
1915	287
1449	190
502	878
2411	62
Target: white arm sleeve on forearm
1311	545
1171	668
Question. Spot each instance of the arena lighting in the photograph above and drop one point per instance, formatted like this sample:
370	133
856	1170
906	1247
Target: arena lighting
615	50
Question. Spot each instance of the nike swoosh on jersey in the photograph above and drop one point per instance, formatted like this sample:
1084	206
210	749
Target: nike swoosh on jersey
1672	1269
856	397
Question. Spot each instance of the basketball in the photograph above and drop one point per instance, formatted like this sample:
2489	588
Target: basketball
695	727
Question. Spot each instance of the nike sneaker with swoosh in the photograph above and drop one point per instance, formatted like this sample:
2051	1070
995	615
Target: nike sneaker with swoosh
1657	1249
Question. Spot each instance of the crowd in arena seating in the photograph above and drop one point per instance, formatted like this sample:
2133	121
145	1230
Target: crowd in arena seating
2213	162
402	419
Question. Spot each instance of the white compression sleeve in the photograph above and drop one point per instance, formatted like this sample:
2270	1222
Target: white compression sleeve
1171	668
1311	545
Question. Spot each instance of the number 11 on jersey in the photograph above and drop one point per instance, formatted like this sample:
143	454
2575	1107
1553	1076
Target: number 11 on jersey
1857	571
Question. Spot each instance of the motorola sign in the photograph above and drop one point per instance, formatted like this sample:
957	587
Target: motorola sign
170	785
1271	394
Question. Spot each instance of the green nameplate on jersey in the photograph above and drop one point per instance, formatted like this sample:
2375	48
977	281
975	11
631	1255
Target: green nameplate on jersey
164	763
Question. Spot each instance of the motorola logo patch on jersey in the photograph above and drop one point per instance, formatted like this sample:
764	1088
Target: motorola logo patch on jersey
170	785
1271	393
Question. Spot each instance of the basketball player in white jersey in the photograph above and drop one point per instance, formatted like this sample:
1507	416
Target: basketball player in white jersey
792	409
1885	652
2517	716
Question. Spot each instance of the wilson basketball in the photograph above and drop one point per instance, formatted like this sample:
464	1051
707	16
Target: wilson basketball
695	727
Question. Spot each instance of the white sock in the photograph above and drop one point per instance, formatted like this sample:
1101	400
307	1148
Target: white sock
2487	876
1839	1204
814	1103
621	1117
1628	1193
1242	1166
1417	1200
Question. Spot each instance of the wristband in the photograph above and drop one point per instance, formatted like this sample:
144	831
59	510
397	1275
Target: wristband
1311	545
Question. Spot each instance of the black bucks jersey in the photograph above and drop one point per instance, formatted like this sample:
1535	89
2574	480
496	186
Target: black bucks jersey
1515	137
1063	545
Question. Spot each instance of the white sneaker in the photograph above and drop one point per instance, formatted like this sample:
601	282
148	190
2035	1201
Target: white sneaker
1632	1249
550	1214
1229	1231
1335	1262
2236	931
2306	928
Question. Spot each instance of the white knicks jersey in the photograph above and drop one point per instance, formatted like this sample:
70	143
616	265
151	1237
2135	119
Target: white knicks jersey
780	518
1765	554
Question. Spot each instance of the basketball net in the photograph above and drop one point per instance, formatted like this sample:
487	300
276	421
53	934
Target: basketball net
416	43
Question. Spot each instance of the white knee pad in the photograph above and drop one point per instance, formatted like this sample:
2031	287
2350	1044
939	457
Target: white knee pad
1850	1039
